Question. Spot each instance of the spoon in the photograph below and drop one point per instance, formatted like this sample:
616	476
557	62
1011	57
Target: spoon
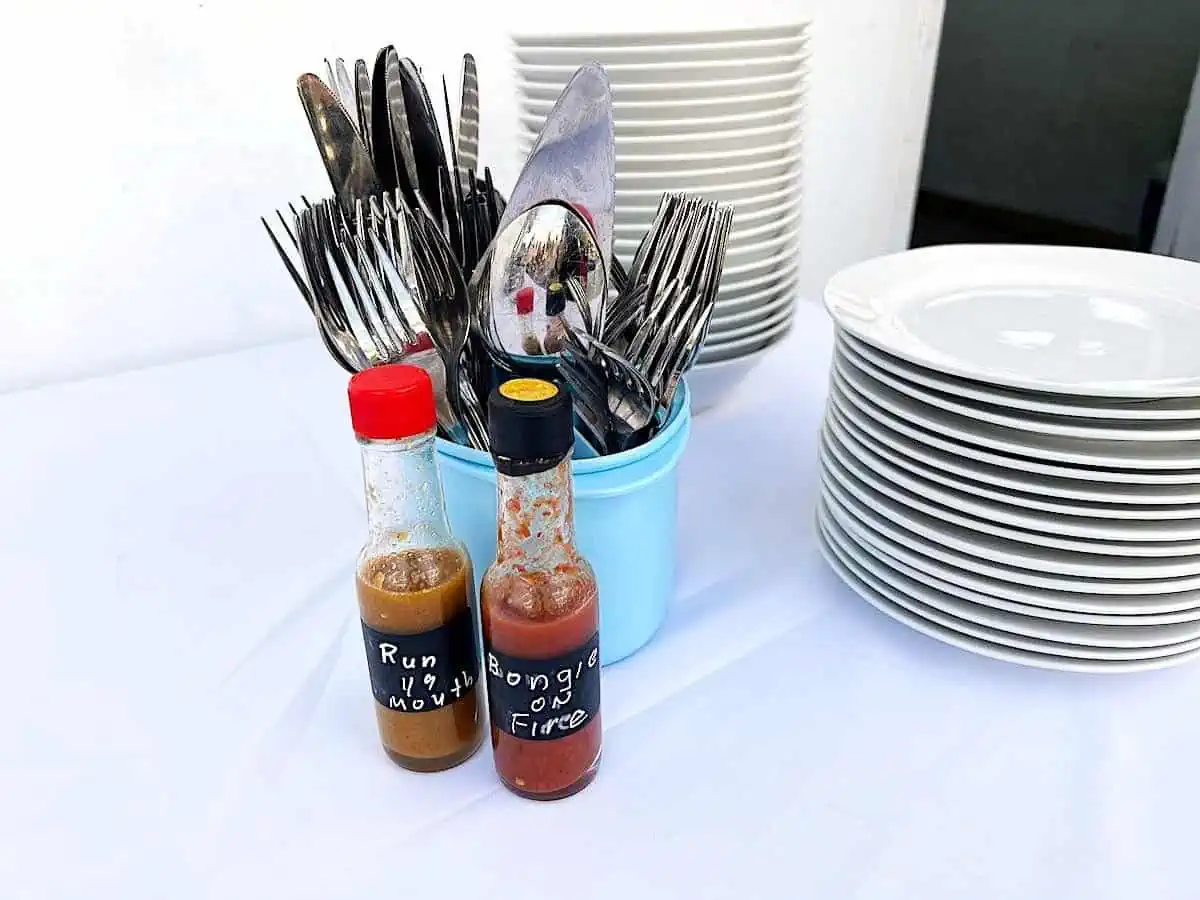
347	160
545	274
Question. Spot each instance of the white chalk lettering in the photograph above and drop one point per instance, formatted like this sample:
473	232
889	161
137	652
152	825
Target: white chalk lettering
468	678
593	657
513	678
577	718
559	701
430	681
397	703
456	688
538	704
539	682
494	666
387	653
418	705
564	678
407	685
409	662
515	724
439	700
428	662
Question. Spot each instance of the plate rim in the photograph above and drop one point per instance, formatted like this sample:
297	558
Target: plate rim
951	580
981	646
930	596
1032	451
1053	404
999	523
869	315
868	407
879	447
1027	565
1133	430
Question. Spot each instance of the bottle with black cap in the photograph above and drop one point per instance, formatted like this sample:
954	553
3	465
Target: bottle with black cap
539	604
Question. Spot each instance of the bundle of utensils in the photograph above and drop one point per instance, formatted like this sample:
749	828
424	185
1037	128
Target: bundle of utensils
417	259
625	371
396	143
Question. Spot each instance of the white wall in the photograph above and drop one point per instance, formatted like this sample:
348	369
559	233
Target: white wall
1060	108
145	137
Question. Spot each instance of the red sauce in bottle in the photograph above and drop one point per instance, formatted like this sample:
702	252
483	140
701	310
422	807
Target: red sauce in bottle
535	615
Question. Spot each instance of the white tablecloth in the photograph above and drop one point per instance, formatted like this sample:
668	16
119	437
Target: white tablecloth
187	714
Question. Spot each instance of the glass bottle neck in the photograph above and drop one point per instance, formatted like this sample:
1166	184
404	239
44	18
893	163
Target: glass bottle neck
404	492
537	517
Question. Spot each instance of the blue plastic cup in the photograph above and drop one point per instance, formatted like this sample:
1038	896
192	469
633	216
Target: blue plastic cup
624	524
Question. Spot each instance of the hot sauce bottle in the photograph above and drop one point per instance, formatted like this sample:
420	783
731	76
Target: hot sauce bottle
413	578
539	605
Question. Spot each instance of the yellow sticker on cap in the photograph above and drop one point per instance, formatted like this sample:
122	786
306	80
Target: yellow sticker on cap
528	389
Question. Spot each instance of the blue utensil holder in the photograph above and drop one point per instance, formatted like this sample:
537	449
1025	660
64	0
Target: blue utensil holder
624	524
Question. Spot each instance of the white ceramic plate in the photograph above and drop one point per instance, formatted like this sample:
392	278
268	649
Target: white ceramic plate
713	178
1180	455
1103	485
739	291
655	39
626	73
733	299
1069	320
1073	534
1023	561
651	165
753	212
731	192
628	238
872	440
721	351
725	319
989	641
1029	401
657	128
742	272
1040	423
1014	598
729	140
1054	591
740	257
777	315
673	91
746	251
978	608
683	107
663	54
747	254
1074	598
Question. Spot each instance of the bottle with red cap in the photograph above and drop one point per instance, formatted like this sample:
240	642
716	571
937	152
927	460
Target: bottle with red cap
414	580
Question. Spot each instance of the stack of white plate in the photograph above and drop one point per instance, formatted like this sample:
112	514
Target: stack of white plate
1010	458
714	113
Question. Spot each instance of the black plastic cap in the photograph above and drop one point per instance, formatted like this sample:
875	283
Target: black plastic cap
530	425
556	299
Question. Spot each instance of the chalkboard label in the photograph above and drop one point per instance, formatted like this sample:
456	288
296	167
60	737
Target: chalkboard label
423	672
544	699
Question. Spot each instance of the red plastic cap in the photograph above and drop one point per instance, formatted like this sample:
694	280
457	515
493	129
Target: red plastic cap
524	301
391	402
